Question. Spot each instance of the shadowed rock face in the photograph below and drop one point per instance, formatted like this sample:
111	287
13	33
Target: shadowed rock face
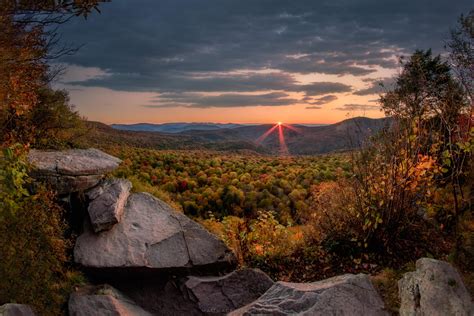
151	235
16	310
196	295
71	170
103	300
216	295
107	202
435	288
342	295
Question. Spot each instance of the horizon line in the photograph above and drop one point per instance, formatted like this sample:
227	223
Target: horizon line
247	123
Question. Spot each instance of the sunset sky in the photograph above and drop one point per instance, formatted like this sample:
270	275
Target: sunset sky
245	61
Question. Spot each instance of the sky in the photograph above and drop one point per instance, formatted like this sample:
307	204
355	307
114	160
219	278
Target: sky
245	61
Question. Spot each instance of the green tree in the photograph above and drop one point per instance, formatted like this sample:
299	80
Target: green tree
32	247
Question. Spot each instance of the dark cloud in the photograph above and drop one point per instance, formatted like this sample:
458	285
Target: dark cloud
193	100
358	107
376	86
205	46
323	100
313	107
321	88
192	82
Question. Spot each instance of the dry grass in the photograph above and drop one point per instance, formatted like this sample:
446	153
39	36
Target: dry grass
386	283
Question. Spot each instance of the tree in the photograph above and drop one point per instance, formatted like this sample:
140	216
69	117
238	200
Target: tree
461	47
27	42
33	249
425	89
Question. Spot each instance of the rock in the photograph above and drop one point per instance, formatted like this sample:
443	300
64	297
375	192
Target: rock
163	295
103	300
151	236
220	295
69	184
195	295
71	170
435	288
16	310
107	202
73	162
342	295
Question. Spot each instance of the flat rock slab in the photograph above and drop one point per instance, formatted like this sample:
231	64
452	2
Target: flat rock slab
107	203
435	288
342	295
71	170
72	162
16	310
220	295
103	300
151	236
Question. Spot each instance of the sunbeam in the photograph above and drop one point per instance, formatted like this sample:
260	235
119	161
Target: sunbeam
294	129
281	137
265	135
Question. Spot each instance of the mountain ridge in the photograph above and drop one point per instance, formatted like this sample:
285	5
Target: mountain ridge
300	139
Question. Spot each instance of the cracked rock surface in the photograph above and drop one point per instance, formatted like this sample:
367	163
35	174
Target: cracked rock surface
435	288
151	235
342	295
196	295
107	202
224	294
71	170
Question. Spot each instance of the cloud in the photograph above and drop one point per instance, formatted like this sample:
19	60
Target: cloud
78	74
193	100
320	88
313	107
323	100
376	86
196	82
161	45
358	107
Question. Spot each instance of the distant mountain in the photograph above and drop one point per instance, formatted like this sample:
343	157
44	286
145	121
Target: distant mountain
173	127
299	139
101	135
302	140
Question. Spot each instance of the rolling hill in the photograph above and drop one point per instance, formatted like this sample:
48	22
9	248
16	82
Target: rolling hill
301	140
173	127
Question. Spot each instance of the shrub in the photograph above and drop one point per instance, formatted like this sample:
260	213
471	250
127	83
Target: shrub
32	247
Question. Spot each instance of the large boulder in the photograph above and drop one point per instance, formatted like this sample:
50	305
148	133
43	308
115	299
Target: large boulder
71	170
151	236
107	202
16	310
220	295
196	295
435	288
342	295
103	300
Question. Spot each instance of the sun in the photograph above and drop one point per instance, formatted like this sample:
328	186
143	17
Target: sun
279	123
